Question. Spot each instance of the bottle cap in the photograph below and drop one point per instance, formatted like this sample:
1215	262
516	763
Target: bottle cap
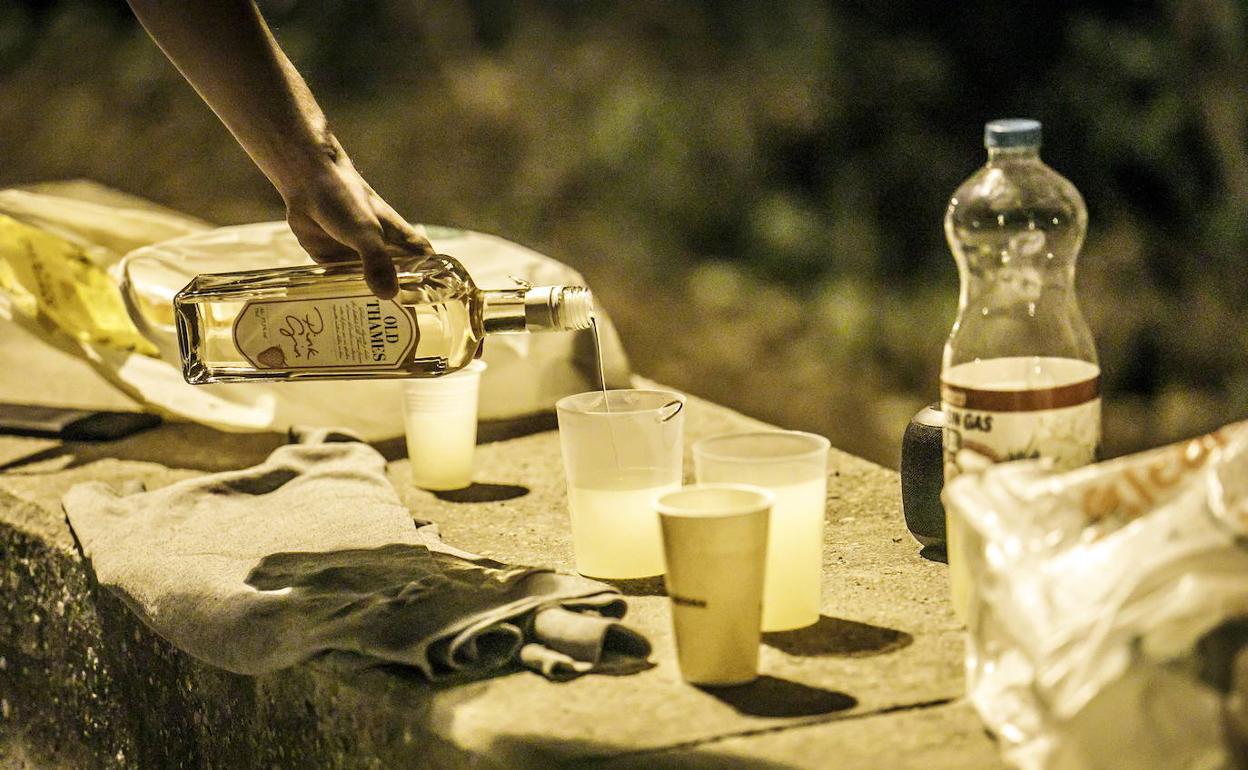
1012	132
558	308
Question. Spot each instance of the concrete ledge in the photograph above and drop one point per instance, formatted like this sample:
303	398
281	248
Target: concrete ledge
83	684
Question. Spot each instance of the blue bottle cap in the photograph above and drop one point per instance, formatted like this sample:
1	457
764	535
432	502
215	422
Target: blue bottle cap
1012	132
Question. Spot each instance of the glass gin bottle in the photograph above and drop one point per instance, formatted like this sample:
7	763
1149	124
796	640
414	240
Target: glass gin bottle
1019	378
321	321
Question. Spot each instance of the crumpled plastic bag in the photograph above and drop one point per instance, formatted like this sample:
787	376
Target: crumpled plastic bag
113	308
1110	609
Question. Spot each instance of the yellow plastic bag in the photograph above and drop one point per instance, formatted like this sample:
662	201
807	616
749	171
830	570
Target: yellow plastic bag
50	279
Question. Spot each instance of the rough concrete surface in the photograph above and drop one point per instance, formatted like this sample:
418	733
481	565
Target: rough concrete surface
876	683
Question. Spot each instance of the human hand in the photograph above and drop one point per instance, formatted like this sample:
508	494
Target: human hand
261	98
337	217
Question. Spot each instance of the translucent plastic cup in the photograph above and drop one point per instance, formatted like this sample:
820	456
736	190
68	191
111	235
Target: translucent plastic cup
440	414
715	542
620	453
793	466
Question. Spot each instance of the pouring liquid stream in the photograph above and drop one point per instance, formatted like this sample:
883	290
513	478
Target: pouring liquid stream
602	383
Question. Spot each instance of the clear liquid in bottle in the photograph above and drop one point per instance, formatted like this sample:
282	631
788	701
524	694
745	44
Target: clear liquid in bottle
321	322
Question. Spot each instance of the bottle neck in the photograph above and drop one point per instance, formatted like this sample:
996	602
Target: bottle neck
536	309
1010	154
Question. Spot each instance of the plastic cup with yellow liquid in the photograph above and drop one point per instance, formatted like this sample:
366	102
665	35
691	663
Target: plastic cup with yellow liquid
621	450
440	414
793	466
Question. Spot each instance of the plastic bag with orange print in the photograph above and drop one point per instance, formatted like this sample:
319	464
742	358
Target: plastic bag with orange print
1109	626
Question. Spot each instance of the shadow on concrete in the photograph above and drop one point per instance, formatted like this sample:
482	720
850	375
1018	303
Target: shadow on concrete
392	448
647	586
175	445
935	553
197	447
530	752
42	455
836	636
483	493
489	431
769	696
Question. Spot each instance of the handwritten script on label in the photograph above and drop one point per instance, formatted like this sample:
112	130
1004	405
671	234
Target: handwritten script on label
303	330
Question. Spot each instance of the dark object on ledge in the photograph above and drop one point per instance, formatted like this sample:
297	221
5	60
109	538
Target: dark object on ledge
72	424
923	478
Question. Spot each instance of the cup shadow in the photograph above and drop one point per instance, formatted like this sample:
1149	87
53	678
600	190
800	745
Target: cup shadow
769	696
483	493
647	586
838	637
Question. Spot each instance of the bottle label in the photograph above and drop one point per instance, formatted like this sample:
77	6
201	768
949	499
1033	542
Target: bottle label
361	332
989	418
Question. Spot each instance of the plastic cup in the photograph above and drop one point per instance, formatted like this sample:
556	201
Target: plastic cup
440	414
620	452
715	542
793	466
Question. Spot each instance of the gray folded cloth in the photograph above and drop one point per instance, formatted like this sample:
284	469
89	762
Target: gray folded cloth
312	551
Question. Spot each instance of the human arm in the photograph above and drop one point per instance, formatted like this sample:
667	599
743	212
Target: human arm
227	53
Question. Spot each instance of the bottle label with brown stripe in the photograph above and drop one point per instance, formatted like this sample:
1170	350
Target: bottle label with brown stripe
1020	407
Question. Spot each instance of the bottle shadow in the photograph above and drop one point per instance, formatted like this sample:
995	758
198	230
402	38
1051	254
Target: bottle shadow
503	429
838	637
488	432
769	696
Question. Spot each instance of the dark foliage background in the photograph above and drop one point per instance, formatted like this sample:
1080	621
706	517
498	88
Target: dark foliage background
755	190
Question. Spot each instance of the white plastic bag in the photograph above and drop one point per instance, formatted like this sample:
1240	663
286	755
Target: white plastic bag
526	375
1098	591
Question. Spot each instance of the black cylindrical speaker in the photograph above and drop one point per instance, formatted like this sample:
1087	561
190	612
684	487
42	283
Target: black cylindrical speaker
923	476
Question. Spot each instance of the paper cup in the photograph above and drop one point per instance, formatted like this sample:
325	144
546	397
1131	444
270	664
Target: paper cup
715	544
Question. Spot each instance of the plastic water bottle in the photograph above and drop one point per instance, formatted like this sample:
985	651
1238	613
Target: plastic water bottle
1019	377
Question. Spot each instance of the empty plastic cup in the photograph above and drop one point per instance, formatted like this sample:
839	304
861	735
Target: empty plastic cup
440	414
715	542
620	453
794	467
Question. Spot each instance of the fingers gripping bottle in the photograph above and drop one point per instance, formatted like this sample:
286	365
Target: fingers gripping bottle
1019	377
